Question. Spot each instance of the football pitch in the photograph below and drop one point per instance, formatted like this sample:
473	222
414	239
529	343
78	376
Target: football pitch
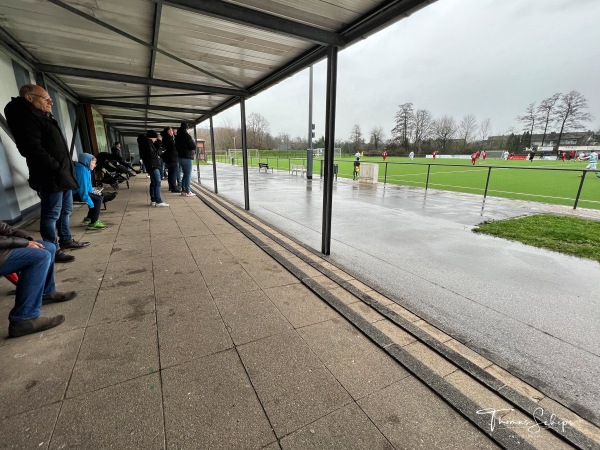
555	182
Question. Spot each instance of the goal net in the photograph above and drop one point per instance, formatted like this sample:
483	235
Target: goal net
237	153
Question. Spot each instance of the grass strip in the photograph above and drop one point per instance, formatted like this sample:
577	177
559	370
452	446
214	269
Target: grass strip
569	235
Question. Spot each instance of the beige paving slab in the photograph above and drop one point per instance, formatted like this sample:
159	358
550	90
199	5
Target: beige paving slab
347	428
29	430
125	416
189	328
402	312
268	273
36	370
115	352
359	365
169	288
294	387
232	279
130	251
77	312
250	316
366	311
210	404
299	305
430	358
344	296
411	416
395	333
121	273
123	302
170	248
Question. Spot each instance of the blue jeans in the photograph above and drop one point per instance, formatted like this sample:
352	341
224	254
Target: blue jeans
186	166
173	169
56	207
155	185
35	267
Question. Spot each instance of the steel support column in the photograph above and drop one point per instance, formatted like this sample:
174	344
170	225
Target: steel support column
332	53
214	158
244	154
83	130
197	155
309	151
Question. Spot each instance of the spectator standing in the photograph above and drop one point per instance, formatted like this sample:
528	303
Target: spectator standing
51	173
384	155
151	155
531	155
171	160
411	155
434	154
186	151
34	263
83	171
592	159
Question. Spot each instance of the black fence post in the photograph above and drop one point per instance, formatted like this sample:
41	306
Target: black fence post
487	182
385	175
428	170
580	188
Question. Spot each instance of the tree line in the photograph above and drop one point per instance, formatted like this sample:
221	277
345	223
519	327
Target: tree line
419	131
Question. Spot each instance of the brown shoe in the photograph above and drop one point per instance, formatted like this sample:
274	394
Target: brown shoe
25	327
57	297
63	257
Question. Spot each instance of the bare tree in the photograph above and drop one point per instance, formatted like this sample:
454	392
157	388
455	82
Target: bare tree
528	120
422	126
283	139
545	112
485	129
257	129
444	129
467	128
356	137
403	127
570	113
377	136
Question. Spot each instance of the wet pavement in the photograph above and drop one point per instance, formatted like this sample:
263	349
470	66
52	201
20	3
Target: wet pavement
532	311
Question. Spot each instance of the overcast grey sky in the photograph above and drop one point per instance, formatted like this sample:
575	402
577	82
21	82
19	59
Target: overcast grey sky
489	58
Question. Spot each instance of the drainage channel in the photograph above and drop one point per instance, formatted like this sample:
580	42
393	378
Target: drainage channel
465	380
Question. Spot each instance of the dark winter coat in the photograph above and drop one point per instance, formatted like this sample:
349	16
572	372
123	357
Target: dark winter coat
11	238
185	145
150	153
168	142
40	140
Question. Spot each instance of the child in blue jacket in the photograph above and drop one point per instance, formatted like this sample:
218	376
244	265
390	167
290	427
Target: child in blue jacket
83	172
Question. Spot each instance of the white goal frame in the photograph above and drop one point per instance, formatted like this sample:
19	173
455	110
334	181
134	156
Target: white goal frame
337	152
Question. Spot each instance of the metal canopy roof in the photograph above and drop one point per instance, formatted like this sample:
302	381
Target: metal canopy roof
148	63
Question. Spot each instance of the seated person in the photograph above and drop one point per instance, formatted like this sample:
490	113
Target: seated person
33	262
85	192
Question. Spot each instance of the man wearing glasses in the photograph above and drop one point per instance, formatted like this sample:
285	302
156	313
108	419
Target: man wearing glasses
51	173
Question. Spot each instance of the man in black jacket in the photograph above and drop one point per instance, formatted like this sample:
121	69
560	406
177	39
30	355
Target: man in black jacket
150	154
34	264
51	173
186	152
170	158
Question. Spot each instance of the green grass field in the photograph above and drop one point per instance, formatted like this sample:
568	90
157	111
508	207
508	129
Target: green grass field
509	179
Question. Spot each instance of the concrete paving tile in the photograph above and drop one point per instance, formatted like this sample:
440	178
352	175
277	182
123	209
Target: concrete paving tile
171	248
189	330
125	416
469	354
236	239
268	273
299	305
170	269
219	226
294	387
366	312
228	281
123	303
326	282
115	352
197	229
430	358
488	400
359	365
412	416
433	331
130	252
348	428
184	284
250	316
514	383
36	370
394	332
403	312
272	446
210	404
360	286
344	296
29	430
125	273
381	299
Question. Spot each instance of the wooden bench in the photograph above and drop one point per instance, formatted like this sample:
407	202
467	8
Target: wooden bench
264	166
297	168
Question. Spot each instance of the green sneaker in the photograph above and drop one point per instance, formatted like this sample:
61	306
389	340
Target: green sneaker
97	225
86	221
